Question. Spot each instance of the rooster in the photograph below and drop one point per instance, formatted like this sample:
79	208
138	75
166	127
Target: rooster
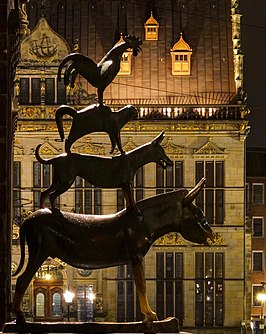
102	74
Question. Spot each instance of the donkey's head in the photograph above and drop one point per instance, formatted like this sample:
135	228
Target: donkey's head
134	43
194	226
160	156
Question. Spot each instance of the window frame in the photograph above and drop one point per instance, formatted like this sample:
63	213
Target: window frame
262	226
262	260
258	303
253	193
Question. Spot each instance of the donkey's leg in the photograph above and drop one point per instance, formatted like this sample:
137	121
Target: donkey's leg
139	278
23	281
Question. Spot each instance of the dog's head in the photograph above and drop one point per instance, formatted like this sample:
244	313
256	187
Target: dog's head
160	156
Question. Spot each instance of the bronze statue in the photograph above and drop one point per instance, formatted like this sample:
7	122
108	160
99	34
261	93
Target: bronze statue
94	119
93	242
102	74
105	172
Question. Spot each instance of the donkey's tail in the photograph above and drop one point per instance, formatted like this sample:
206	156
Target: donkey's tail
38	157
60	112
22	251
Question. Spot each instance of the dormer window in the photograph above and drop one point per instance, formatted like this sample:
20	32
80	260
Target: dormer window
125	63
151	29
181	54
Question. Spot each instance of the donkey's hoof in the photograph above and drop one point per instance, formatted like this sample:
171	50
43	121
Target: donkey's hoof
20	318
149	318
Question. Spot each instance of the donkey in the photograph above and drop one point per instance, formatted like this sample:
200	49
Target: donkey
94	119
93	242
105	172
102	74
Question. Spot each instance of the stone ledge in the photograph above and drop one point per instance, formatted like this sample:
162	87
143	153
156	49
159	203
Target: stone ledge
168	325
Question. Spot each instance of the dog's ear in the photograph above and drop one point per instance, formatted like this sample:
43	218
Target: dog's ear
159	138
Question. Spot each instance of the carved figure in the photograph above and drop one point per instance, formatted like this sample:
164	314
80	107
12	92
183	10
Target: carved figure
105	172
93	242
94	119
102	74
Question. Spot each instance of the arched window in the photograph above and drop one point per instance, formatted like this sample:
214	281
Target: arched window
40	306
56	304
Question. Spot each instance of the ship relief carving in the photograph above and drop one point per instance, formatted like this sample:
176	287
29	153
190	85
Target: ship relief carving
43	44
43	47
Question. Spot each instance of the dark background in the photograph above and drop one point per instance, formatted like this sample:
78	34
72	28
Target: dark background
254	50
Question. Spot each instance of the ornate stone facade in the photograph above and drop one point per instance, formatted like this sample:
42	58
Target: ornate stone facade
205	134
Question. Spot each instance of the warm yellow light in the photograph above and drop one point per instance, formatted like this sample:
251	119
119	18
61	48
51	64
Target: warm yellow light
91	296
261	297
48	277
68	295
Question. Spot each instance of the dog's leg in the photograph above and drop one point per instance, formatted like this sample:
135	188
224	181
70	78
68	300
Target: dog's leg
48	191
44	196
129	196
60	189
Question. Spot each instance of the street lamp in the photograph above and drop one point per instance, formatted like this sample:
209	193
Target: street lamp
261	297
68	295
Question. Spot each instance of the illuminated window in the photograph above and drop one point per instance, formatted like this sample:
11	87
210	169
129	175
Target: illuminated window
151	29
181	54
256	289
209	289
40	305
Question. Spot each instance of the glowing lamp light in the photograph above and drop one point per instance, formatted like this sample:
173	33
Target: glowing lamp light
68	295
261	297
48	277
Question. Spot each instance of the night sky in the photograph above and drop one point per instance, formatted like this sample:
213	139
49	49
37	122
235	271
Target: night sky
254	50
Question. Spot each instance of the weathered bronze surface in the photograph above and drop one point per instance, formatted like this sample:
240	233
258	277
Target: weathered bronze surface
102	74
93	242
105	172
94	119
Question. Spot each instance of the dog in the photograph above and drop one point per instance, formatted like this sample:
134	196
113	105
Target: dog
94	119
104	172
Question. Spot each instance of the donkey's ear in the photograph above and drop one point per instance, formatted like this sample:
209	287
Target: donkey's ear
159	138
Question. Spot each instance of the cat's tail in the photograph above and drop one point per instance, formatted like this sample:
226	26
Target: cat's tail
38	157
60	112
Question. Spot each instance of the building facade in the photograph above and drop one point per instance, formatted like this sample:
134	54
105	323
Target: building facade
256	215
187	81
